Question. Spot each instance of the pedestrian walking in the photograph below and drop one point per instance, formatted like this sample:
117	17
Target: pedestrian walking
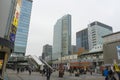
18	70
70	71
105	72
48	73
116	71
91	71
111	75
43	72
29	70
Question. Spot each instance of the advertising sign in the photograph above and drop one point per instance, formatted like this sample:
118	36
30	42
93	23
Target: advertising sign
15	22
118	51
12	37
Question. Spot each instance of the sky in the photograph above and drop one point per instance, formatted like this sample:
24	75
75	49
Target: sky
45	14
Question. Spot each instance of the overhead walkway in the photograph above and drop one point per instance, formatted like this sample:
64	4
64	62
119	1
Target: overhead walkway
31	60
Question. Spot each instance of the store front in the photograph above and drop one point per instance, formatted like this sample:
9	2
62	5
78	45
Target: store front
2	55
6	48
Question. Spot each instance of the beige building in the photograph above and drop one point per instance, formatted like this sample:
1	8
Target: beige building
111	48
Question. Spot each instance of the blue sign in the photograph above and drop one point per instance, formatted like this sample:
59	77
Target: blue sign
12	37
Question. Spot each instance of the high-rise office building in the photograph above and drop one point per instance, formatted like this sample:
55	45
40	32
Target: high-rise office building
23	28
47	52
92	36
95	32
82	39
73	49
62	37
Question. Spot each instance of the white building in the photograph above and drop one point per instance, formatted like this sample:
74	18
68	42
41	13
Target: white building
95	32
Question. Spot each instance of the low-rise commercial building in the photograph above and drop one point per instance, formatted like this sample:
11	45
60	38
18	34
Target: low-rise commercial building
111	48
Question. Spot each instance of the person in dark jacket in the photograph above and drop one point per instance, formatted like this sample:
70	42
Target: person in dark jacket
111	75
29	70
18	70
48	73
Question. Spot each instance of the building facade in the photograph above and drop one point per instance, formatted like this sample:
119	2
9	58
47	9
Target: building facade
47	52
23	28
73	49
82	39
111	48
62	37
7	13
6	16
95	32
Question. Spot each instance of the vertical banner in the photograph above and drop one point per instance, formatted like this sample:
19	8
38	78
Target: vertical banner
118	52
15	21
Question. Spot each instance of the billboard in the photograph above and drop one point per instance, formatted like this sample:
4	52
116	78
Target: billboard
118	52
15	21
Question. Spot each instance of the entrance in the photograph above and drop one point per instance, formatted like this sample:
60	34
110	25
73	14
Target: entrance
2	55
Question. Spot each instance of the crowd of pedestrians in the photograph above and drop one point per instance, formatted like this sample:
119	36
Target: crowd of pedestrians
46	71
111	73
80	71
29	69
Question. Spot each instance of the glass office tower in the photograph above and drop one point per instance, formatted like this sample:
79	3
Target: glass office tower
23	28
62	37
82	39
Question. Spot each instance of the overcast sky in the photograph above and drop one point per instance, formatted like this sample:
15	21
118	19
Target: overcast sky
45	13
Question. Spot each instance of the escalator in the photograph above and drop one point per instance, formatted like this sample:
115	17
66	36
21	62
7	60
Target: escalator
37	62
34	62
45	63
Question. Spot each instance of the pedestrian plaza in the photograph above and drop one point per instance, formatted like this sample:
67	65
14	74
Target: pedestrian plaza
12	75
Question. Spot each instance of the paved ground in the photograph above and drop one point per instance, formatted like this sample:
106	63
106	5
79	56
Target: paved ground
12	75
